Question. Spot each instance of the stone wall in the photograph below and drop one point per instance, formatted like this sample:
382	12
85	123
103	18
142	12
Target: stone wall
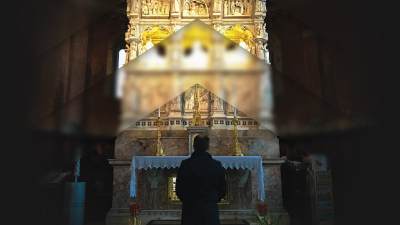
175	142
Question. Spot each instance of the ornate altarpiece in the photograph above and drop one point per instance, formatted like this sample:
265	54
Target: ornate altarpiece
170	128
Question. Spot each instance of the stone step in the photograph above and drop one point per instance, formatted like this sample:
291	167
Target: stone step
178	222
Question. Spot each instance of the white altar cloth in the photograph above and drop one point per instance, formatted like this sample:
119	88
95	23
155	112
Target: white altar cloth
228	162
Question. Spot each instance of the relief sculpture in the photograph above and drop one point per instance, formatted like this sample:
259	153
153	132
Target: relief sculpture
189	101
237	7
155	7
195	8
217	5
261	6
175	104
217	103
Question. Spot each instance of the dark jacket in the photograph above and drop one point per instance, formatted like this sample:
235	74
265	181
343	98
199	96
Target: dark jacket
200	186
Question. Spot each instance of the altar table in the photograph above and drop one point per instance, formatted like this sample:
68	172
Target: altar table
169	162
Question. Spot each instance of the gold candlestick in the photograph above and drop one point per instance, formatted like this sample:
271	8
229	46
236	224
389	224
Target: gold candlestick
159	148
196	113
236	144
134	220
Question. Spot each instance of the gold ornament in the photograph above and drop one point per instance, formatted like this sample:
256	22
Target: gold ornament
236	144
196	113
159	148
154	34
240	34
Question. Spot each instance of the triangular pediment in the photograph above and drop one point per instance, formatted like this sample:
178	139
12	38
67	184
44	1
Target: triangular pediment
214	110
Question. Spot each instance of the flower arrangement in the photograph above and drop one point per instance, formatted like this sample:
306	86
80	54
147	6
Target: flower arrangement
263	217
134	210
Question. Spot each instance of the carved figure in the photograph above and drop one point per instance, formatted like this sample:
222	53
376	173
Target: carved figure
134	6
132	50
246	5
176	6
260	51
242	181
201	10
154	180
145	8
217	5
238	8
218	103
195	8
189	101
155	7
128	7
259	30
176	104
260	5
132	28
186	5
232	7
203	99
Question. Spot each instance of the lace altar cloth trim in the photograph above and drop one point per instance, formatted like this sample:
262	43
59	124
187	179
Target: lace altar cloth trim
228	162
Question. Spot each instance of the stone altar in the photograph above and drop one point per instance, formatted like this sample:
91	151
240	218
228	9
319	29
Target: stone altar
153	185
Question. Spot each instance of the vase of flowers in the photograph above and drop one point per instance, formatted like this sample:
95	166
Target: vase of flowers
134	211
264	217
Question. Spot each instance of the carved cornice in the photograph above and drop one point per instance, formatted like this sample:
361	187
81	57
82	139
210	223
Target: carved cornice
119	162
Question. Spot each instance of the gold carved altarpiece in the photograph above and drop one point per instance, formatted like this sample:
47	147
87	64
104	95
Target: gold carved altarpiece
153	20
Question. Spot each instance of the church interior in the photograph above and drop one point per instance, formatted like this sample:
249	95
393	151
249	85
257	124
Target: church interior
292	131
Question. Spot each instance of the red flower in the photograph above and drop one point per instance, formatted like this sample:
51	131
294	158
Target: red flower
134	209
262	208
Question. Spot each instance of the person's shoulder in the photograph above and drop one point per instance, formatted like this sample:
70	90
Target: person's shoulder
184	162
217	162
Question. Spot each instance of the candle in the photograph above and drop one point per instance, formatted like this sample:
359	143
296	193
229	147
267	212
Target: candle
159	113
234	112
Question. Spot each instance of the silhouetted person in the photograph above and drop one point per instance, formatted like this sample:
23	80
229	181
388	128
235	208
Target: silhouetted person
200	185
296	188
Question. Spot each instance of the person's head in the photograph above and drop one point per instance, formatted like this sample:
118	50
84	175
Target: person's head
201	143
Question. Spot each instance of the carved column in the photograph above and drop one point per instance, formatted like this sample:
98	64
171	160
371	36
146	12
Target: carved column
132	34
